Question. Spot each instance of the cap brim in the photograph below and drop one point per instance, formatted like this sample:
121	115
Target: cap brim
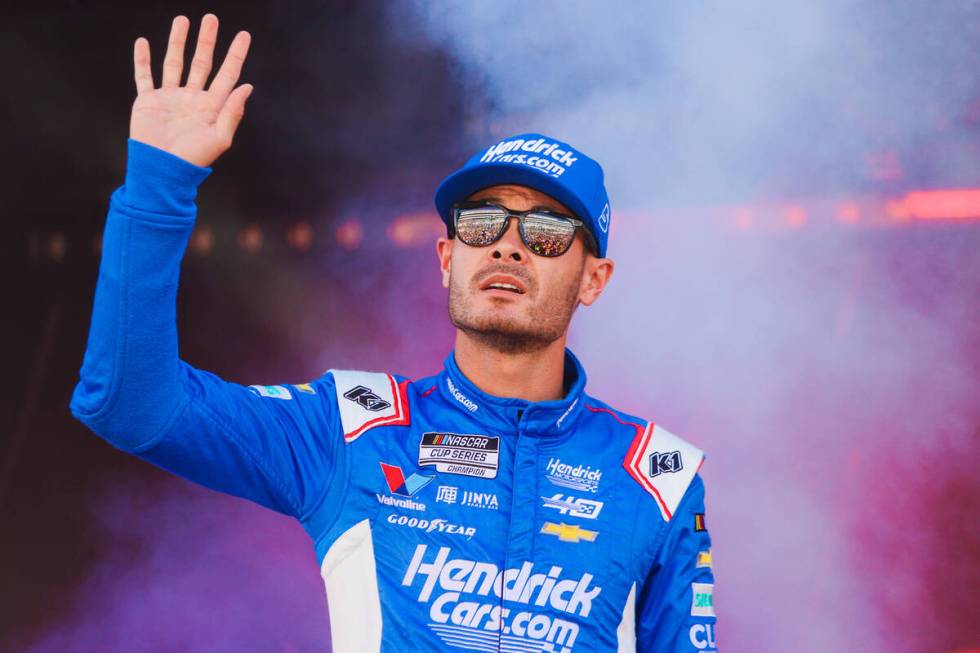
463	183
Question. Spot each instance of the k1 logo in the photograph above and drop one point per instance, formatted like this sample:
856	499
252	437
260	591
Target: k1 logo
662	463
366	398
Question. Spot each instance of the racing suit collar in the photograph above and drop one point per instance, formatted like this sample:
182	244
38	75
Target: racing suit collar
508	414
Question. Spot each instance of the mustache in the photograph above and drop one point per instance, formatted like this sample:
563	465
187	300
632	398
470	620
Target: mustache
503	268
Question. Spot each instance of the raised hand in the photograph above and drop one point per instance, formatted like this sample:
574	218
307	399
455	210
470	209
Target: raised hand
195	124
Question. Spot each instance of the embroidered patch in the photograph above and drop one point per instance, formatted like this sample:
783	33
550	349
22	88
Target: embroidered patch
274	391
466	455
663	464
369	399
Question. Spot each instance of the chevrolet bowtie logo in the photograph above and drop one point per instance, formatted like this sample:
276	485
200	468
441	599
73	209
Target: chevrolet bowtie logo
569	532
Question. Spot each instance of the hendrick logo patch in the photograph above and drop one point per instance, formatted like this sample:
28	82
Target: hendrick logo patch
574	477
467	455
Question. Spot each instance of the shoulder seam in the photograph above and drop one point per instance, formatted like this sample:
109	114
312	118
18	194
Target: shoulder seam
638	462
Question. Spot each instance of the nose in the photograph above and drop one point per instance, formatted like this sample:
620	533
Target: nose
509	246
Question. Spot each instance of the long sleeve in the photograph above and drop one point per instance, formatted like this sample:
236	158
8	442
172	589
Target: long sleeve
674	610
275	445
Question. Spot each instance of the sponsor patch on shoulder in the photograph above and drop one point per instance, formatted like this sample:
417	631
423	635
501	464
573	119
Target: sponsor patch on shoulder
274	391
305	388
369	399
455	453
663	464
704	559
701	600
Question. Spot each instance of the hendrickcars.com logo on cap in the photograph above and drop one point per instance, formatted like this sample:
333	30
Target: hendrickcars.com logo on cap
553	159
540	162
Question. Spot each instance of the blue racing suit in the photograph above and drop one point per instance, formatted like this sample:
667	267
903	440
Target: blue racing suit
443	517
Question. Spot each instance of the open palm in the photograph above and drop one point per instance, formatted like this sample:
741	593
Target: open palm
189	121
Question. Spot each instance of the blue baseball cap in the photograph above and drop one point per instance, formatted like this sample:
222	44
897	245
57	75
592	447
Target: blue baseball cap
542	163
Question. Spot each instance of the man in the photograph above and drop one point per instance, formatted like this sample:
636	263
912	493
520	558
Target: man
494	506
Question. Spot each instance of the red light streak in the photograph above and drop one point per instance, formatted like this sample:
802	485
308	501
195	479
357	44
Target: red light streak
950	204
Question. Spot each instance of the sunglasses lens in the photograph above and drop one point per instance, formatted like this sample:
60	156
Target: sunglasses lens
481	226
547	235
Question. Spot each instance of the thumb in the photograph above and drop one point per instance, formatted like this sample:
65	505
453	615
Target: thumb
233	110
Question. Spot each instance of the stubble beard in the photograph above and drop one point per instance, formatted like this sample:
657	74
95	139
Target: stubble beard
533	330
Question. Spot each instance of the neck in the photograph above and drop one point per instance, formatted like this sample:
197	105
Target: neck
534	375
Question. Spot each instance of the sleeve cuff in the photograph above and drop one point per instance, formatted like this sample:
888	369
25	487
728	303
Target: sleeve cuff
161	182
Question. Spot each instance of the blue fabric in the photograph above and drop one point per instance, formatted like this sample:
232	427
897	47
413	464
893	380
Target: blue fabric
543	163
569	545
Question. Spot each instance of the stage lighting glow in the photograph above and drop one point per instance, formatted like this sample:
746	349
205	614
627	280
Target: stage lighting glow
349	233
946	204
202	240
250	238
56	247
415	229
795	216
848	212
743	219
300	236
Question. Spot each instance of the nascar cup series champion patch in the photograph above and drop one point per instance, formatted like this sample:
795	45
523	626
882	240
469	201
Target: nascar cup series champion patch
468	455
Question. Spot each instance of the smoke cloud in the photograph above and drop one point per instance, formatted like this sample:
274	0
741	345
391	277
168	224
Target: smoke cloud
820	365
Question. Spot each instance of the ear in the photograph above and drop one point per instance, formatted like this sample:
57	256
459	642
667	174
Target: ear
595	275
444	249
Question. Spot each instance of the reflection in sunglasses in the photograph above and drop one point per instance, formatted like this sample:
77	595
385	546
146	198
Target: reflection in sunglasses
543	236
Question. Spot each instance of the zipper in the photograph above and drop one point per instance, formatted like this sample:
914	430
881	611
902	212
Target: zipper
506	561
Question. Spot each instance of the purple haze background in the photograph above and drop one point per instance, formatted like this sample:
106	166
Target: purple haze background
829	371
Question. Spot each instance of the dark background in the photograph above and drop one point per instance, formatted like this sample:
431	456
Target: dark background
374	144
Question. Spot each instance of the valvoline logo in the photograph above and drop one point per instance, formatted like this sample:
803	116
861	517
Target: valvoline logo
398	484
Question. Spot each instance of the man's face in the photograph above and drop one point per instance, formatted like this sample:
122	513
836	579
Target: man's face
548	290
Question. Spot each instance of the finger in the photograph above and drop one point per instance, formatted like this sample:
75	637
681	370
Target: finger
232	112
173	62
230	69
204	53
141	66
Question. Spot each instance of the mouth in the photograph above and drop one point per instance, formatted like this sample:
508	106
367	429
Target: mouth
503	283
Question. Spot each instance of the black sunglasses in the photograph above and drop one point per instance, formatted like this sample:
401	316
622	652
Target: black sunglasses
545	233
